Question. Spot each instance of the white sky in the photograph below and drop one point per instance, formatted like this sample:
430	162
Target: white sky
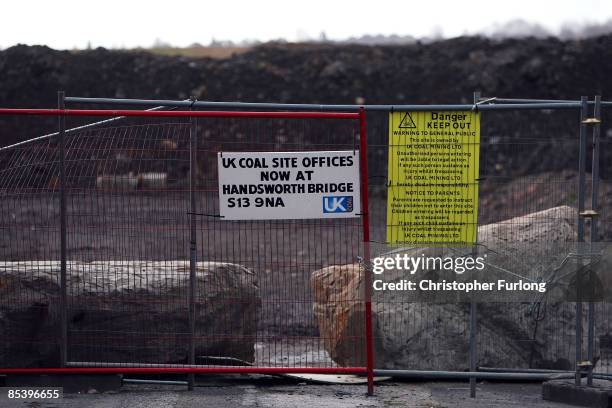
67	24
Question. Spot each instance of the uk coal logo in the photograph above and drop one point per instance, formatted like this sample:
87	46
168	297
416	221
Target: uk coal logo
337	204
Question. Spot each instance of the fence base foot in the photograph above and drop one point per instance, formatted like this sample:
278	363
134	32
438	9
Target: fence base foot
599	395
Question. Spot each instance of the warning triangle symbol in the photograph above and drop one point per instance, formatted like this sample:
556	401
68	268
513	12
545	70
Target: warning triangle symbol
407	122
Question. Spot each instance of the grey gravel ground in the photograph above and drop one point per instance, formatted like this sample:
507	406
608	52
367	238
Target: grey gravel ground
272	392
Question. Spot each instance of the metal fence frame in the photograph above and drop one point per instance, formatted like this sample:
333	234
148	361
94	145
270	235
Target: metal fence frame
191	368
276	110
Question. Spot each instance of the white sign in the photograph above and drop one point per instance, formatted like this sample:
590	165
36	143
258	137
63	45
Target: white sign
288	185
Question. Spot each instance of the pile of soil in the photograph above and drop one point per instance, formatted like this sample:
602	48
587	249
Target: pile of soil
440	72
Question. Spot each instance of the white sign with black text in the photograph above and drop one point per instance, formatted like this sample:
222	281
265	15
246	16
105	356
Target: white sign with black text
288	185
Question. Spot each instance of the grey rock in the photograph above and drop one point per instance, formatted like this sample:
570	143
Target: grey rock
126	311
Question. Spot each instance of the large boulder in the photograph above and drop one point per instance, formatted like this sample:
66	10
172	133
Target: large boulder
126	312
414	331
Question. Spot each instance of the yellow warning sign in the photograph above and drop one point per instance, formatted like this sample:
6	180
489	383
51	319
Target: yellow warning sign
433	177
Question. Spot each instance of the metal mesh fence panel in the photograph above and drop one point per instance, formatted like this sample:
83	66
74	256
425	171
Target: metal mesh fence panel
128	221
528	166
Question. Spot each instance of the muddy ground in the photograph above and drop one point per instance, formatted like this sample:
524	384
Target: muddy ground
283	254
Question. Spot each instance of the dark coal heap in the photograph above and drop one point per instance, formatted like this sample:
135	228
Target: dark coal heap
445	71
440	72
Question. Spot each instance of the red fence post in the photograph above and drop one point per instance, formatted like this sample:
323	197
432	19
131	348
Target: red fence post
365	217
